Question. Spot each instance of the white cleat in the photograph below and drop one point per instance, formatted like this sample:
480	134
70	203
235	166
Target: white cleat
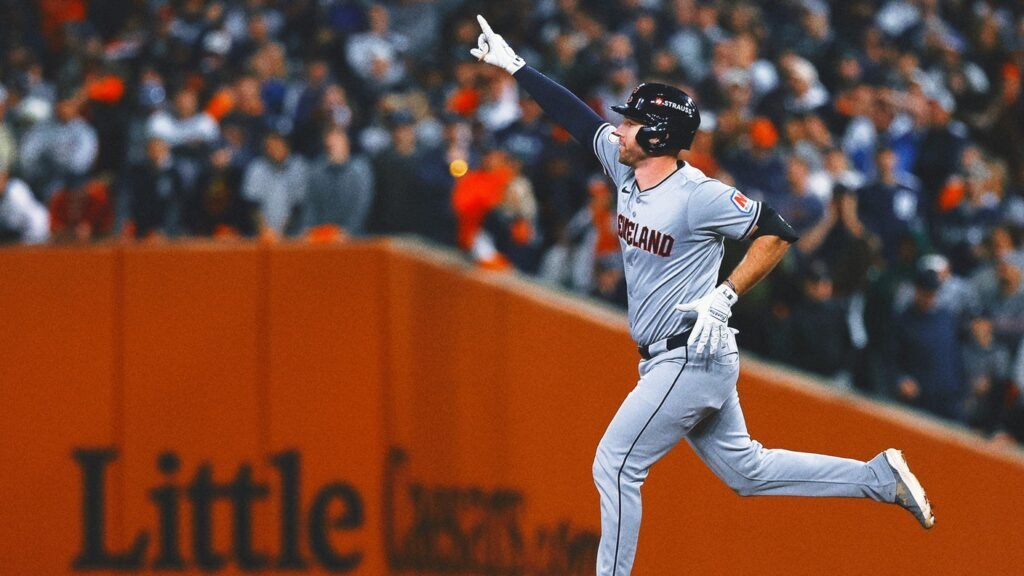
909	492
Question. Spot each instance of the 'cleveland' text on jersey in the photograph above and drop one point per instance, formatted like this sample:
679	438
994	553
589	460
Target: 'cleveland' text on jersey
648	239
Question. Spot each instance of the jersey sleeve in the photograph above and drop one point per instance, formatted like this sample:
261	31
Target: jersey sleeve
606	148
717	209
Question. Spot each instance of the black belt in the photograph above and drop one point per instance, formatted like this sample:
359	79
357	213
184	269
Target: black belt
670	343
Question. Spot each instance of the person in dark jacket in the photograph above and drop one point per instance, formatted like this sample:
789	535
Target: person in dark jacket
928	353
890	206
395	207
219	208
821	342
154	190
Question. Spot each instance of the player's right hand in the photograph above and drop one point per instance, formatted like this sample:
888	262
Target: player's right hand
492	49
713	313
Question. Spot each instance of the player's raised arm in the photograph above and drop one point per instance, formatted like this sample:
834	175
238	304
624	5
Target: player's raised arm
568	110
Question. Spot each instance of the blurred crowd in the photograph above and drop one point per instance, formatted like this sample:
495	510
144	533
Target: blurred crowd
889	133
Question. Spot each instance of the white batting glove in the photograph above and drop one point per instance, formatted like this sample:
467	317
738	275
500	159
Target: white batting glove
713	313
493	49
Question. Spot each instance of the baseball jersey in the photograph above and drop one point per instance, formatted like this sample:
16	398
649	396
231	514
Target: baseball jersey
672	237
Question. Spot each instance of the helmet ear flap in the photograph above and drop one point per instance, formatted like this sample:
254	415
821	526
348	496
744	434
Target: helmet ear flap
654	139
643	138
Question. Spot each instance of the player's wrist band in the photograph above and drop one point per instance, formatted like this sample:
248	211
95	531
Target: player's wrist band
731	286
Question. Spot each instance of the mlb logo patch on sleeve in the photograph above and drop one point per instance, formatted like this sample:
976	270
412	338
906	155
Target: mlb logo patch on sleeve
742	203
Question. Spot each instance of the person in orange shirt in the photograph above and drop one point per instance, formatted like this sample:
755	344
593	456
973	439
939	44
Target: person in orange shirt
496	212
474	196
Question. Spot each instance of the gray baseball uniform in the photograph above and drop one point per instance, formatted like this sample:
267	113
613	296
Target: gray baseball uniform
672	244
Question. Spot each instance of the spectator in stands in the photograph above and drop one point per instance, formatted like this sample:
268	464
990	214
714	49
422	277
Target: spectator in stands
840	240
1000	244
967	81
588	237
153	189
190	132
737	96
22	218
942	143
499	101
814	40
376	55
56	149
1000	124
747	57
714	90
955	293
276	183
341	187
836	172
800	93
437	169
799	207
419	22
249	116
477	194
218	209
969	208
512	224
397	202
820	338
928	353
305	107
270	66
798	137
689	44
758	168
150	96
81	211
881	124
987	368
1007	309
527	137
889	205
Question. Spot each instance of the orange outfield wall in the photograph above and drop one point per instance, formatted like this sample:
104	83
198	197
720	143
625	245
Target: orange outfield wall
378	408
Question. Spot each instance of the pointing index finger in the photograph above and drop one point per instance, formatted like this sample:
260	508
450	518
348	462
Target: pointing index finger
484	25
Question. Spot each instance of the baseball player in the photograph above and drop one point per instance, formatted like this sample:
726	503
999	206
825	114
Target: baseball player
672	221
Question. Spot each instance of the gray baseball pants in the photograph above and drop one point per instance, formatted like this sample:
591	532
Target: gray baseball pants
679	396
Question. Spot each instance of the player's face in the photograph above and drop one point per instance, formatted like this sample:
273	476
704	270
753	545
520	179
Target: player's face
629	150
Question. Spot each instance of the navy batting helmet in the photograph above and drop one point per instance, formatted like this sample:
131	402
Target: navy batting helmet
669	116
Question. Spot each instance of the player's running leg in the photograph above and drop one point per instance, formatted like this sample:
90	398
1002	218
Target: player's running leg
669	400
750	469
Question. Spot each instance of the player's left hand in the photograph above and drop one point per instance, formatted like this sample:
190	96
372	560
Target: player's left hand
713	313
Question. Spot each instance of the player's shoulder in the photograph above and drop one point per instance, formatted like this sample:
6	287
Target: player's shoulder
700	183
713	192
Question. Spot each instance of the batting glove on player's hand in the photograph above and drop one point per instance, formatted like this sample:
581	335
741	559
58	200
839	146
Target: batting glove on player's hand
493	49
713	313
